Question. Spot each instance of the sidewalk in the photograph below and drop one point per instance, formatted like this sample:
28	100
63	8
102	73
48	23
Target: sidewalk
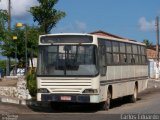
7	99
12	83
7	94
12	100
153	83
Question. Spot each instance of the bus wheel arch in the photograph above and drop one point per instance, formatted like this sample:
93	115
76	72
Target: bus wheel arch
110	90
136	84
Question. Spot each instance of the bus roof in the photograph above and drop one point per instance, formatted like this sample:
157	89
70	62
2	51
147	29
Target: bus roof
67	34
98	36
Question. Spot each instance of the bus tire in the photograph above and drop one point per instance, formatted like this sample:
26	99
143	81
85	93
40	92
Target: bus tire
133	98
106	104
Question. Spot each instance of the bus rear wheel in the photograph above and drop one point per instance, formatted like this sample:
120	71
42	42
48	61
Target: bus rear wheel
106	104
133	98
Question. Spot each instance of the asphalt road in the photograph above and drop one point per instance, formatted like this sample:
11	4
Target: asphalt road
148	103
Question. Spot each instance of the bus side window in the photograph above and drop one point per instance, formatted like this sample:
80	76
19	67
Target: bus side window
123	57
109	53
129	53
132	60
129	58
116	55
102	57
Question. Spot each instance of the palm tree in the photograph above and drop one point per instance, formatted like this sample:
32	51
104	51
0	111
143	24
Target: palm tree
46	15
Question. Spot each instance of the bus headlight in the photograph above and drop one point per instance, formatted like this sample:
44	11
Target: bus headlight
93	91
42	90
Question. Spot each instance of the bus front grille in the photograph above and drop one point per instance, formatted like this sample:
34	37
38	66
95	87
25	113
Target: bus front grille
65	85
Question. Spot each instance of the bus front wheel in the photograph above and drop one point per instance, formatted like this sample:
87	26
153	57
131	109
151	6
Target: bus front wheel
106	104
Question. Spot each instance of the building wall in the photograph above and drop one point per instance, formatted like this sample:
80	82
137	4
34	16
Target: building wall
151	54
152	61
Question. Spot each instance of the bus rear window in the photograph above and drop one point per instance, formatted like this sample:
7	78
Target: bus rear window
66	39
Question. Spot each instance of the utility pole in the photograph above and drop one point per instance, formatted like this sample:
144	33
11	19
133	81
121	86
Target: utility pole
157	46
9	29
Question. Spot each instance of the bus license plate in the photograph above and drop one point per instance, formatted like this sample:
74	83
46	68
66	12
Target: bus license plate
66	98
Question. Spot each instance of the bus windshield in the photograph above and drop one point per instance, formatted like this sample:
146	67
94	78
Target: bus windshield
67	60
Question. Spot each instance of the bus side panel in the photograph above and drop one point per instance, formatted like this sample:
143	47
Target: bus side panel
103	92
123	79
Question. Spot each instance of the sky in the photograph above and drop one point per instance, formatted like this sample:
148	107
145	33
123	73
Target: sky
134	19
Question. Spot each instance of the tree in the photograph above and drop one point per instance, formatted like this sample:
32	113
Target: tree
3	23
3	66
32	44
4	33
148	43
45	14
33	36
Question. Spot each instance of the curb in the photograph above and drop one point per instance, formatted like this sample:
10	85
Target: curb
157	80
153	83
4	99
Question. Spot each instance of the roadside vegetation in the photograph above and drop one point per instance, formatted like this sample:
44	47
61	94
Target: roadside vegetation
47	17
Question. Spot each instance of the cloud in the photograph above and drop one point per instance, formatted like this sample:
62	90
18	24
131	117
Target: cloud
145	25
80	26
19	8
77	26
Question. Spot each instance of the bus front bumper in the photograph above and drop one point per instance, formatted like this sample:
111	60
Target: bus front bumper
69	98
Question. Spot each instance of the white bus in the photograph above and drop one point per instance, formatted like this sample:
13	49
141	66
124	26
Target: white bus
85	68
